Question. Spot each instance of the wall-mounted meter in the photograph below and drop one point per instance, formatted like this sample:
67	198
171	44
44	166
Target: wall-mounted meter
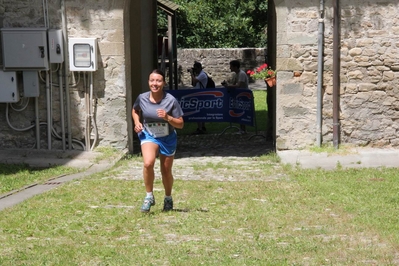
82	54
55	46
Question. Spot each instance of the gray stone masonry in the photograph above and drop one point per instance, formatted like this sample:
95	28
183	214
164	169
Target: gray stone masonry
216	62
369	98
369	73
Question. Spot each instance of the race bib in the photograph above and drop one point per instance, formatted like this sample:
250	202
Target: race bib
158	130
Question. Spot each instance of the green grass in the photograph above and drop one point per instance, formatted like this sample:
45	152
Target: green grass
370	196
215	128
343	149
15	176
307	217
285	216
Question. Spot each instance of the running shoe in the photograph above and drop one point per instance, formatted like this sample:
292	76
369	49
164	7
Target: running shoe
148	202
167	205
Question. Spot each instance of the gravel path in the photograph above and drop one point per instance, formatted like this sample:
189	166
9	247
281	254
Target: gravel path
227	157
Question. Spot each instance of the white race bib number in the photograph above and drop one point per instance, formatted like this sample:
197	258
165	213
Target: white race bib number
158	130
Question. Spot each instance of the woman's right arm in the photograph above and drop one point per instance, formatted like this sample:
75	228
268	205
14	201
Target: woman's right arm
136	119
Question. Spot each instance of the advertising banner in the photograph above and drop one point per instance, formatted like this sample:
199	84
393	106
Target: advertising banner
216	105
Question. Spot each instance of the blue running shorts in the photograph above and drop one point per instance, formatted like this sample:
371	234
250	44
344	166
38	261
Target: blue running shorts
167	145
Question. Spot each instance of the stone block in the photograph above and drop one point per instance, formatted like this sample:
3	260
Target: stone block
111	48
292	89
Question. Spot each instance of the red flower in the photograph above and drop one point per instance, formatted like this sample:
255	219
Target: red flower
262	67
261	72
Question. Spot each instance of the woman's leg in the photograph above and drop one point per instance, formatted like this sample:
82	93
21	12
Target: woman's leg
167	180
166	171
149	151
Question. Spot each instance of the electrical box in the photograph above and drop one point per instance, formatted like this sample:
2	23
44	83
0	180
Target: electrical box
82	54
55	46
31	83
24	48
8	87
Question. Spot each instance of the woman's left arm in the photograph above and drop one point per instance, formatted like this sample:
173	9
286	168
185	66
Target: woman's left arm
176	122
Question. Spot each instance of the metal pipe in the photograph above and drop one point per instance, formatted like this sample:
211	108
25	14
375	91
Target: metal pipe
66	72
88	107
37	123
174	48
92	119
62	114
49	121
170	52
44	14
320	69
336	73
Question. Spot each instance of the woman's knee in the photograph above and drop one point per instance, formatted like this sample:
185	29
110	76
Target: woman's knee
166	171
148	164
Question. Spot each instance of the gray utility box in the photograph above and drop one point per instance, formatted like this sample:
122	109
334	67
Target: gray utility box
8	87
25	49
31	83
56	46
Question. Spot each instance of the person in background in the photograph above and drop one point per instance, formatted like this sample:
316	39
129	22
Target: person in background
199	79
161	114
241	81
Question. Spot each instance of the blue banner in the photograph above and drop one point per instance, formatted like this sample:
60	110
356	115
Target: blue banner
216	105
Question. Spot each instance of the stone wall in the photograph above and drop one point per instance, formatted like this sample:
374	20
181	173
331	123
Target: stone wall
101	19
216	62
369	106
368	102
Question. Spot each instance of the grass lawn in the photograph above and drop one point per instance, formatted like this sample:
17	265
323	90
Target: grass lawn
16	176
303	217
308	217
13	177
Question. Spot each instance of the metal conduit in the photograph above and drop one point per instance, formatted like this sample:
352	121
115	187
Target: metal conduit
49	120
336	73
320	69
62	115
37	123
66	73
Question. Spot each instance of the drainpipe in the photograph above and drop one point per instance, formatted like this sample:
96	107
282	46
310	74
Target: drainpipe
49	115
320	68
62	114
336	73
37	123
66	73
88	118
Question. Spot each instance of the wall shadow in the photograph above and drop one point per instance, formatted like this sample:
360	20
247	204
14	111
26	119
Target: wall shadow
226	145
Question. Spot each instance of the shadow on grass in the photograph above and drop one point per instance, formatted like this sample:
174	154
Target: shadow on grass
177	210
188	210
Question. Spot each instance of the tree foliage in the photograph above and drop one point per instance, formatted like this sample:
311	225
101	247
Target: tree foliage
220	23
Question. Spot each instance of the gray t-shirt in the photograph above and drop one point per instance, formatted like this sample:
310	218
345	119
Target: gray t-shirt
149	109
202	79
241	77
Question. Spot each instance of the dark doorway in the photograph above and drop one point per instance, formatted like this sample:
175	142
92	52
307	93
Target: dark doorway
271	60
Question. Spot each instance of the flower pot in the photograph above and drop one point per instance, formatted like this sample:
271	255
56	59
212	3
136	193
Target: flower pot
271	81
